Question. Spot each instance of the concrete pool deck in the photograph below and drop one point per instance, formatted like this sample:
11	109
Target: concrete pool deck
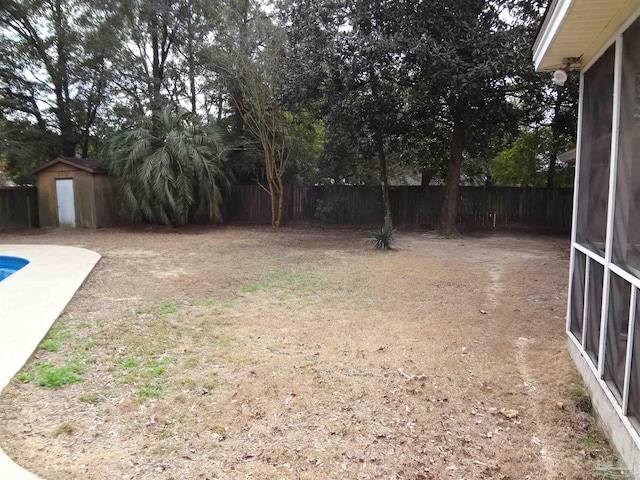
30	301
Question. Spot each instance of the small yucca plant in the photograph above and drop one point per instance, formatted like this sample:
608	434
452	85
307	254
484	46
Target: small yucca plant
383	237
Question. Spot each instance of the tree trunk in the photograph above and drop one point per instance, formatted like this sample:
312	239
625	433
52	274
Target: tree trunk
157	66
273	179
553	155
238	93
239	112
192	78
191	57
276	192
85	145
280	201
426	177
155	86
273	196
386	195
555	138
220	107
452	188
67	137
61	85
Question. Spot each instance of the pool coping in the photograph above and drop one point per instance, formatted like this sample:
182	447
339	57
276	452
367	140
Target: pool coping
31	299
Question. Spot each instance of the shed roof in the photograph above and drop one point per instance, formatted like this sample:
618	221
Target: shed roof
91	165
579	29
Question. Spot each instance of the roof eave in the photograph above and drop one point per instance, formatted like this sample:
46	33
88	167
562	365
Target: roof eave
66	162
553	20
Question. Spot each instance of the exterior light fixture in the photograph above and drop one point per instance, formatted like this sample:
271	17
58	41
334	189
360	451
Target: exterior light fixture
561	75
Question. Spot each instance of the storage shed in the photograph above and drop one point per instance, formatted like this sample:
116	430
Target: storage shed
75	192
601	38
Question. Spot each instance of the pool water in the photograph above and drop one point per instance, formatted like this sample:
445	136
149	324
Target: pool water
9	265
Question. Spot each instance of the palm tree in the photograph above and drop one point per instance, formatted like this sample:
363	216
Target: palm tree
168	167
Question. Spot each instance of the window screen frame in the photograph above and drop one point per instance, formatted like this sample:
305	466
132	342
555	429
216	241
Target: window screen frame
620	405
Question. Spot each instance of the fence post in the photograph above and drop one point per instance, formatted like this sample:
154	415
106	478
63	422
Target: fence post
29	220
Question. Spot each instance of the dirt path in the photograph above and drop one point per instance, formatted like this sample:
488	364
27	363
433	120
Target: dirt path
242	353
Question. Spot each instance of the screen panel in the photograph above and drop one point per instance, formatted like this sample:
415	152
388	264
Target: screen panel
617	330
634	380
594	310
626	238
595	153
577	295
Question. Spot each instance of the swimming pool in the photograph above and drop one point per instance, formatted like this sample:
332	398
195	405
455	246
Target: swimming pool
9	265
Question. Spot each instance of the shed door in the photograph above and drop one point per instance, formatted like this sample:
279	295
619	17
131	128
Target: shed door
65	204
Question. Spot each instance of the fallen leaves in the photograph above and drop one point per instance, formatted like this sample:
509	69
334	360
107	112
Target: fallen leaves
411	377
510	414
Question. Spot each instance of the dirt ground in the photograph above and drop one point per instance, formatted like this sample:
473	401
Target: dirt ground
244	353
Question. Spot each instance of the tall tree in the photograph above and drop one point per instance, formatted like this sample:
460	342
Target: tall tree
246	29
464	55
199	21
145	63
547	111
52	68
346	54
265	121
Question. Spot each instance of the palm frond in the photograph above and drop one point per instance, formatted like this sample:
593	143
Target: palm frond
165	176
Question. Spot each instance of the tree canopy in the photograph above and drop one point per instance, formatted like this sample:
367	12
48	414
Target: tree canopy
356	91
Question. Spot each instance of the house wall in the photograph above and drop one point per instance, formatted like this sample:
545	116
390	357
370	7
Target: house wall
608	419
603	314
82	192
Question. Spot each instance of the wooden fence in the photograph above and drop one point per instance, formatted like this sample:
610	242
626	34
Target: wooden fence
18	207
480	207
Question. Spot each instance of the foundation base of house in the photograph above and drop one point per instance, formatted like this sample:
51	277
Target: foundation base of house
621	439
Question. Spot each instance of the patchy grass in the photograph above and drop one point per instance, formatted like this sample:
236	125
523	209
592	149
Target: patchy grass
66	428
162	309
50	345
90	398
130	363
59	332
580	397
50	376
154	369
292	281
208	303
188	383
613	471
191	363
153	390
167	308
57	335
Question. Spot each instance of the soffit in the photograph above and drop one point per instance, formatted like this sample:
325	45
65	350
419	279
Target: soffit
580	29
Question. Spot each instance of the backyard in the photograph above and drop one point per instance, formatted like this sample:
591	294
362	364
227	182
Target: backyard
207	353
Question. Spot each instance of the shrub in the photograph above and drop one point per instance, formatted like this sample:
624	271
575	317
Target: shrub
331	211
167	167
383	237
